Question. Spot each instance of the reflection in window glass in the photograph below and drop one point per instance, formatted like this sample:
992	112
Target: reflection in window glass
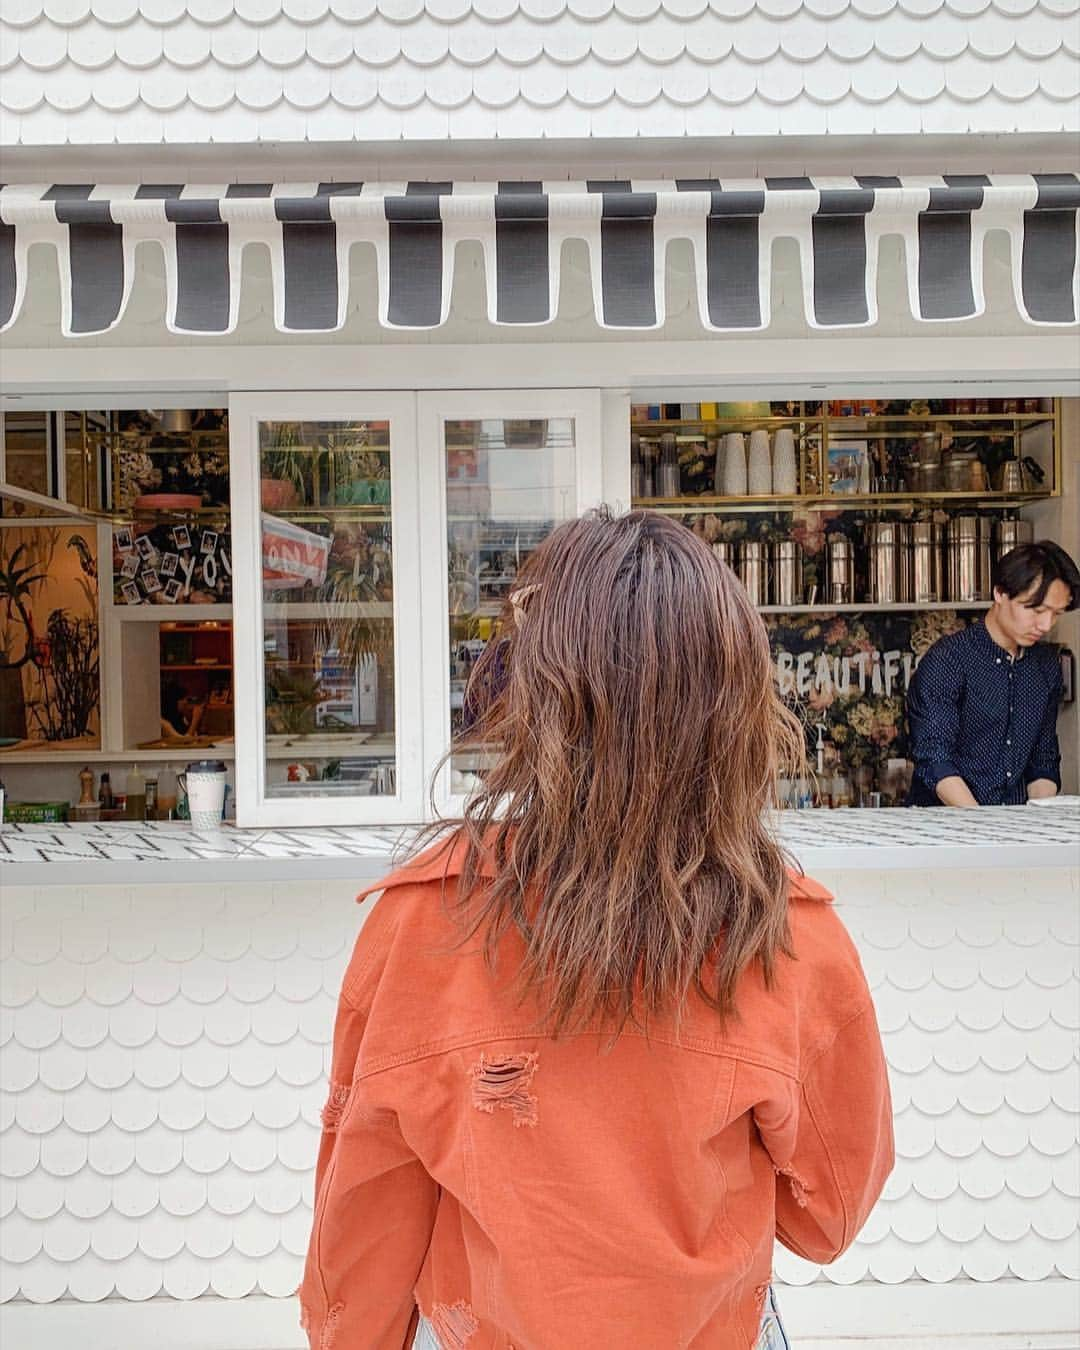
328	590
509	482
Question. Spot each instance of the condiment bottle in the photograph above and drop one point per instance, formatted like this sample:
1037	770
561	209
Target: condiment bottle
135	804
166	794
105	792
150	812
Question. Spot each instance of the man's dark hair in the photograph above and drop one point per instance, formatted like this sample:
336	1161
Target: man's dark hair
1038	565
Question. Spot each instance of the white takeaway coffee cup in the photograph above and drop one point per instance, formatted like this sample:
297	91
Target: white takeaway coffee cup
204	783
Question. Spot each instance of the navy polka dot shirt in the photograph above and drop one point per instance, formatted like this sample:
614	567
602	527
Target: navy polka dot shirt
977	714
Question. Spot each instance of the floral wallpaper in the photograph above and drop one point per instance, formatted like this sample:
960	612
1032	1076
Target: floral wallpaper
849	673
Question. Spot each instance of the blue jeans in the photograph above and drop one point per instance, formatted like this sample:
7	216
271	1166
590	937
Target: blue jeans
772	1337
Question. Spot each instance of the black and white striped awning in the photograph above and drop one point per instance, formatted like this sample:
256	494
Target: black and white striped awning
414	228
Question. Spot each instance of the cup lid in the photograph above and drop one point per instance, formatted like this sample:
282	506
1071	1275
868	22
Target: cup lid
206	766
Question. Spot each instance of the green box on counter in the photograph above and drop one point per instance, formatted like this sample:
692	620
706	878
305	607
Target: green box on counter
35	813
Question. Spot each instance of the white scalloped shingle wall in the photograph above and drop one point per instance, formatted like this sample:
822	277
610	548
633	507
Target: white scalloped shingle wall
188	71
164	1050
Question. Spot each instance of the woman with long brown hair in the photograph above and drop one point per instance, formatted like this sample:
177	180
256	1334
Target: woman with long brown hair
600	1044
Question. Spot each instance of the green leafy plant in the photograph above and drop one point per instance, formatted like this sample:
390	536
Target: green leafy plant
284	459
291	700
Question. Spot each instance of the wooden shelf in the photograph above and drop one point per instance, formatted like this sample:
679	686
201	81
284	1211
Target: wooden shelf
170	613
867	608
853	422
881	501
93	757
324	611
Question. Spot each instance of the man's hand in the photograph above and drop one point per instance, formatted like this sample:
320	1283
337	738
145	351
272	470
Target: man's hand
955	792
1042	788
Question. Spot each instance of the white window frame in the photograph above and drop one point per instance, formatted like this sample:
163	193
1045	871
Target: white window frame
253	807
435	408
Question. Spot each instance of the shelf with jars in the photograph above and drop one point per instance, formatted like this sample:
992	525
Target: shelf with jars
844	455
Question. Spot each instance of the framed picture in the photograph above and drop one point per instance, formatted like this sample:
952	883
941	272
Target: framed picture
849	465
131	564
130	592
209	541
124	541
151	582
173	591
145	545
169	564
181	537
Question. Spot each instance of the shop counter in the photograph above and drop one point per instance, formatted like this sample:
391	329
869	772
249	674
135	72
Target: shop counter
168	999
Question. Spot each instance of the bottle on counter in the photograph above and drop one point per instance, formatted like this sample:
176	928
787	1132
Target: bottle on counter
135	795
166	794
841	790
150	812
105	792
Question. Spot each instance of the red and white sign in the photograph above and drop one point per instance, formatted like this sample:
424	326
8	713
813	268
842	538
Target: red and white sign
291	555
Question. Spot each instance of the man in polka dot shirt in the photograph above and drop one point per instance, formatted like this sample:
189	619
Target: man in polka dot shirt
983	704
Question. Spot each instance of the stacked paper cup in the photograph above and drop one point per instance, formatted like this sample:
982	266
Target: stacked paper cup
734	465
785	469
759	465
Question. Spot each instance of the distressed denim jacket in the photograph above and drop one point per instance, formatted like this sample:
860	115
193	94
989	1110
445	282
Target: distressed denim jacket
529	1193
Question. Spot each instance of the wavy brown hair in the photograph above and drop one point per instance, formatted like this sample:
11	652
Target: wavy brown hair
637	738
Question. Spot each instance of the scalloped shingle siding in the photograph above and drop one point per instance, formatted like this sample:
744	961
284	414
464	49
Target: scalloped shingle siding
191	71
163	1053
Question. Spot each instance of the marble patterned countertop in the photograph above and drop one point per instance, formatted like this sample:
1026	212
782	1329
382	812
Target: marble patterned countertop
123	852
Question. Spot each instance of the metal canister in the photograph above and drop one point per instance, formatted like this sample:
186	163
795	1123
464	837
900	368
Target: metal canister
905	564
985	557
787	572
1010	534
883	546
754	570
926	562
969	562
841	570
724	551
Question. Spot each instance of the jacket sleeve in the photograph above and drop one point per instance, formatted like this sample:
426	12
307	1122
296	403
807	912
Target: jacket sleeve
832	1167
374	1212
933	709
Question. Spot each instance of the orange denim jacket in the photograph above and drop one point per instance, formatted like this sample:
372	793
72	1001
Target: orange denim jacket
538	1194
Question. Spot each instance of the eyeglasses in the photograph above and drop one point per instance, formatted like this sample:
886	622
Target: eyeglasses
519	599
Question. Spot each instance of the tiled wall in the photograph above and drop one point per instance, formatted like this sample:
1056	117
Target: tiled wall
164	1051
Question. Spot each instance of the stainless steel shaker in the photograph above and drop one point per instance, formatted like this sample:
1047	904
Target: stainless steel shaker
754	570
667	474
883	548
787	573
724	551
841	570
1010	534
927	538
969	562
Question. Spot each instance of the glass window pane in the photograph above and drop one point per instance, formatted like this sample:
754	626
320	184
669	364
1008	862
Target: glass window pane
328	591
509	482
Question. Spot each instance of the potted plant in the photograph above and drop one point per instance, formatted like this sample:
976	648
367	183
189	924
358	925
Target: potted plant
361	474
283	480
